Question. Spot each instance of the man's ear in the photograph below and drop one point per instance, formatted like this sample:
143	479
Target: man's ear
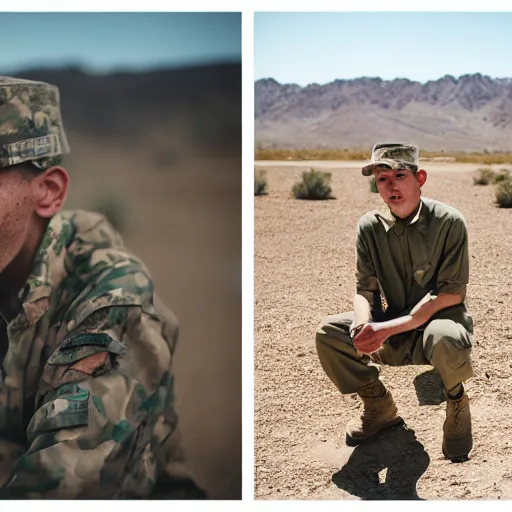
50	190
421	176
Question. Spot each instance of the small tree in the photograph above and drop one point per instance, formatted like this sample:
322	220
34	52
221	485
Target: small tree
260	183
315	185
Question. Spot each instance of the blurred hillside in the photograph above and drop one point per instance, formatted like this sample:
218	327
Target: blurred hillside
198	106
160	153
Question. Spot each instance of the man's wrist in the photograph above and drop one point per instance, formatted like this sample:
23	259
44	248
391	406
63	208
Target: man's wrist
389	328
353	331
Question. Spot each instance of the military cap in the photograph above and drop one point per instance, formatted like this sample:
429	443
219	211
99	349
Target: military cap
30	123
392	156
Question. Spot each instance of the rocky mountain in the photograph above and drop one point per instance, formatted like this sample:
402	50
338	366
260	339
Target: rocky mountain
469	113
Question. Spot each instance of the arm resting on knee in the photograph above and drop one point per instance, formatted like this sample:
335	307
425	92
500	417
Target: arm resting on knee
421	313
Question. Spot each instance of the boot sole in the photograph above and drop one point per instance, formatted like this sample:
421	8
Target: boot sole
355	441
456	458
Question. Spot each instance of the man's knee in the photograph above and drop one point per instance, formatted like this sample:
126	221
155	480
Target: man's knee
447	345
334	326
445	337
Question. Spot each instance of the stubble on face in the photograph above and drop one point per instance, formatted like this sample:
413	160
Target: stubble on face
16	215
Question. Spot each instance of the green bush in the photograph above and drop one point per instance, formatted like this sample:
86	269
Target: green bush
314	185
503	174
373	186
483	176
260	183
504	193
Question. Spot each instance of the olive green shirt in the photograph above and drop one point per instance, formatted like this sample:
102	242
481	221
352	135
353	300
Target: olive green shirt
403	260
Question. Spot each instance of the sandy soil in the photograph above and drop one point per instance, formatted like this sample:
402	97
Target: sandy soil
304	270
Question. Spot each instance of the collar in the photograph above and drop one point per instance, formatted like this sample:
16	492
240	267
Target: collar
48	270
389	220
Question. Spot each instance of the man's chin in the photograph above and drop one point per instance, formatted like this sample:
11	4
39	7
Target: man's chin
396	210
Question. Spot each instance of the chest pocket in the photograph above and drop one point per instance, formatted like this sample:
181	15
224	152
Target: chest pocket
421	255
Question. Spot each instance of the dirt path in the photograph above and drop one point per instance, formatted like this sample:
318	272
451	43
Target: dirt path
304	270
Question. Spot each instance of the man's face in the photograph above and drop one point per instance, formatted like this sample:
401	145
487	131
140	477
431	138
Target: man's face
400	189
16	214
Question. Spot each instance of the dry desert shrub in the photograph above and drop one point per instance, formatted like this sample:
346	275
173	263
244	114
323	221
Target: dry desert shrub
504	193
315	185
484	158
311	154
503	174
260	183
483	176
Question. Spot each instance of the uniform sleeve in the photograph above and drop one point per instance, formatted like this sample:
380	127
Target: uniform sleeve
366	279
453	274
102	401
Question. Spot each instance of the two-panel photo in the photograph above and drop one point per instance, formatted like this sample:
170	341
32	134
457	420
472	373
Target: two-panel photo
373	334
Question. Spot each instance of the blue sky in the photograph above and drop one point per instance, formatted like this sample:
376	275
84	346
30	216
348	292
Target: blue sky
105	41
305	48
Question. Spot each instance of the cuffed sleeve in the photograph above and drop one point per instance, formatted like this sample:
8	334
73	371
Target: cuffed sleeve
453	274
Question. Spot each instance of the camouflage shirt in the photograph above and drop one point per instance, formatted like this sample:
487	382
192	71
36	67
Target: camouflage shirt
403	260
86	396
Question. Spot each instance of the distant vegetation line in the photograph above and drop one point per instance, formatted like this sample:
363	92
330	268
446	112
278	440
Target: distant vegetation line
364	154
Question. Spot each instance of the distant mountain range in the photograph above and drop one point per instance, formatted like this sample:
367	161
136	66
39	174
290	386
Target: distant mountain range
469	113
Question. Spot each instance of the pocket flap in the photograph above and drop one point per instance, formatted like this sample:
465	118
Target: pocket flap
67	407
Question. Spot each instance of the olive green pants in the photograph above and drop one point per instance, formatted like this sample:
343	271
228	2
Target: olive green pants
444	344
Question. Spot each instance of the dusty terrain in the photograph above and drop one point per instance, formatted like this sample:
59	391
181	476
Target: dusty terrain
304	270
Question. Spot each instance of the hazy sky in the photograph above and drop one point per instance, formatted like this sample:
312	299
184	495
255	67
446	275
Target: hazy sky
103	41
305	48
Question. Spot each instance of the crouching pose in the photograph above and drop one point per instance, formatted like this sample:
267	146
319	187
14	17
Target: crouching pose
415	257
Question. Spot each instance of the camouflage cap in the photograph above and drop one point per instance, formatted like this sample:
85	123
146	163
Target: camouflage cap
393	156
30	123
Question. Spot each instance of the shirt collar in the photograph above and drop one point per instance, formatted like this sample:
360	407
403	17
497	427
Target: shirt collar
48	270
399	225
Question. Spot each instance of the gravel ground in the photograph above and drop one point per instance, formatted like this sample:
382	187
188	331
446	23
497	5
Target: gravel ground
304	270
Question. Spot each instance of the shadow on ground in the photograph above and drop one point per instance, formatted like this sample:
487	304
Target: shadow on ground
399	452
429	388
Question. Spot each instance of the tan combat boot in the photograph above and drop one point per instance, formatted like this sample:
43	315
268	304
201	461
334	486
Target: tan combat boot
378	414
457	439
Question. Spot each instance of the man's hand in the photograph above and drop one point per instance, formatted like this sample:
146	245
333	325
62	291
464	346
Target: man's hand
370	338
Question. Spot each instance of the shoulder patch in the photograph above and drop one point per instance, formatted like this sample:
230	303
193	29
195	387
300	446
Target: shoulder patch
81	356
90	364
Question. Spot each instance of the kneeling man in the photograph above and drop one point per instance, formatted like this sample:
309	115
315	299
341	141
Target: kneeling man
414	257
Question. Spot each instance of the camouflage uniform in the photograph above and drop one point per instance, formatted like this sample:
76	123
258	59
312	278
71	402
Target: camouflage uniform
86	392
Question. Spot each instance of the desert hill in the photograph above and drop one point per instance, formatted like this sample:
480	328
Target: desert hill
469	113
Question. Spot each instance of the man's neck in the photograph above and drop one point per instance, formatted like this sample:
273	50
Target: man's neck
15	275
406	220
